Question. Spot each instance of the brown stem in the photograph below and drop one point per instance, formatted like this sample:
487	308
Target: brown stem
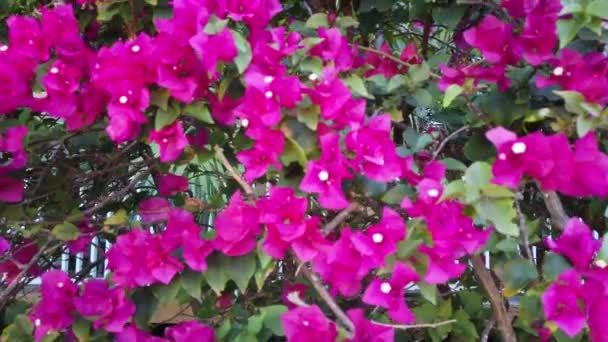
416	326
556	209
329	300
118	194
447	139
333	224
501	314
485	334
219	153
426	35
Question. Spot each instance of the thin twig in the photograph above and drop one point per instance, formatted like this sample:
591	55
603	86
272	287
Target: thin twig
328	299
219	153
447	139
388	56
416	326
556	209
498	304
523	230
117	194
333	224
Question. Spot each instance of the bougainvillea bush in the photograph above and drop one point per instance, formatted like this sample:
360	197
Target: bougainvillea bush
368	170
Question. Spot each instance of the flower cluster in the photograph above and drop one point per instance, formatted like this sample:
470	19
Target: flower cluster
11	144
578	295
551	162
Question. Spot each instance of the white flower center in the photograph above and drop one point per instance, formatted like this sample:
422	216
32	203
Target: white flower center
306	323
377	238
385	288
313	77
165	140
123	99
558	71
3	47
54	70
268	94
601	263
245	122
60	285
135	48
502	156
37	322
518	148
323	176
268	79
433	193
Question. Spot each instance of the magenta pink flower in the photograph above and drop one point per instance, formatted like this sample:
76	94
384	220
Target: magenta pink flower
390	294
171	140
237	227
27	39
139	259
256	13
380	240
380	64
154	209
53	312
330	93
59	24
494	39
304	324
132	334
366	331
183	232
324	176
170	184
342	265
190	331
199	138
334	48
214	48
576	243
4	245
21	253
474	73
267	147
16	72
284	216
111	307
538	39
561	303
441	267
376	156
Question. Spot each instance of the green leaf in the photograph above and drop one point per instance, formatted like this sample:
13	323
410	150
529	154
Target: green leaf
518	273
317	20
429	292
346	22
244	58
241	269
500	212
151	2
166	293
453	164
464	327
272	318
216	274
572	101
118	218
160	98
309	116
192	282
21	330
508	246
146	304
554	265
598	8
357	86
451	93
567	30
396	194
396	82
165	118
254	324
215	25
106	11
472	302
293	152
422	97
199	111
583	125
419	72
81	328
448	16
478	148
66	231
